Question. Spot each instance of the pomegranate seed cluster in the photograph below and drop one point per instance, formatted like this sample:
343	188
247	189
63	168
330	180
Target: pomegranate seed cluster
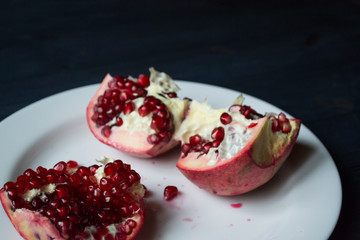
78	199
198	144
247	111
280	123
118	98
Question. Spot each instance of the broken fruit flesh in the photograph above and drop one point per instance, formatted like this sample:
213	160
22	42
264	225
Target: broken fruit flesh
137	116
233	150
76	202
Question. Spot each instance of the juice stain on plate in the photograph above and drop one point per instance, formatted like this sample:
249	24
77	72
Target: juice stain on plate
187	220
236	205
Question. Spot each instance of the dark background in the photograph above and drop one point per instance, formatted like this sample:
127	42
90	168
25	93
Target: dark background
301	56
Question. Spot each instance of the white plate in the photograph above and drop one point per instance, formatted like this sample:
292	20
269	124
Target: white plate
301	202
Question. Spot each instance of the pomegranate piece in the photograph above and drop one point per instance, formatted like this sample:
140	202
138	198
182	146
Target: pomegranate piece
72	202
137	116
239	150
170	192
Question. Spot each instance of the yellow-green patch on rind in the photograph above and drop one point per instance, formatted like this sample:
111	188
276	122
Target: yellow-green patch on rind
269	146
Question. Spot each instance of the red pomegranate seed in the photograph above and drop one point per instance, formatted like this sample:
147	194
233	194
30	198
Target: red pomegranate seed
12	193
128	107
120	82
286	127
72	164
30	173
22	187
225	118
216	143
193	140
170	192
144	110
162	112
74	180
60	167
18	202
83	171
274	124
125	96
63	211
131	223
172	94
185	149
9	185
153	139
141	92
218	133
119	121
119	163
110	169
63	226
106	131
105	184
235	108
36	203
251	125
157	122
282	117
41	170
164	136
207	147
61	190
129	84
34	183
144	80
133	176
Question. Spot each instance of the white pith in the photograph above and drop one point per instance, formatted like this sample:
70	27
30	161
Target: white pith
46	189
160	83
237	133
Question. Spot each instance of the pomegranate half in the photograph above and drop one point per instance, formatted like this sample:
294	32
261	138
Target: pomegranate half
137	116
233	151
69	201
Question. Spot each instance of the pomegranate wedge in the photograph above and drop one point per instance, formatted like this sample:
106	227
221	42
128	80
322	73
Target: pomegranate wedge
137	116
233	151
76	202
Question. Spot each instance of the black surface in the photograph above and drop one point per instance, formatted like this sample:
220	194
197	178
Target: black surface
303	58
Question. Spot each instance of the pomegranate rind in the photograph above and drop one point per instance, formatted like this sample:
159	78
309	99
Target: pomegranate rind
133	142
31	225
254	165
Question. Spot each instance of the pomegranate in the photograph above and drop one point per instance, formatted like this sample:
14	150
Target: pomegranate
170	192
70	201
137	116
235	150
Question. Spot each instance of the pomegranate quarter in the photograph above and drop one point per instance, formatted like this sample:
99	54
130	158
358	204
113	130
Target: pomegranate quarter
137	115
235	150
101	202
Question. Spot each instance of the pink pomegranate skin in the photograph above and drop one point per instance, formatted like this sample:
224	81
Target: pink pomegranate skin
31	225
240	174
134	143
